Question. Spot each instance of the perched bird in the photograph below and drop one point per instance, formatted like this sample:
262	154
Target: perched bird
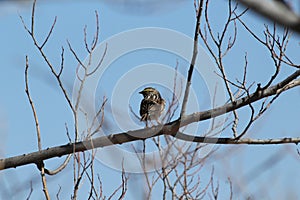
152	105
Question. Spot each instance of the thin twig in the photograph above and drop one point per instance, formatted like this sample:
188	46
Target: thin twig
49	33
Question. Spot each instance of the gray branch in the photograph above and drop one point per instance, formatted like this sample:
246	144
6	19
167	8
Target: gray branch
167	129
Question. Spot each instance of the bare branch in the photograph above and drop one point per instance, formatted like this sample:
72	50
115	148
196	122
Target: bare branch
51	67
58	192
31	190
37	126
167	129
39	163
191	69
99	63
32	17
274	11
211	140
49	34
62	62
60	168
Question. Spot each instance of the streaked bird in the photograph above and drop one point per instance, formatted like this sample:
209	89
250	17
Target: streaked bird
152	105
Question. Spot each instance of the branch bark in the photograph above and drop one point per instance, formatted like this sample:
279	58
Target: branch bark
167	129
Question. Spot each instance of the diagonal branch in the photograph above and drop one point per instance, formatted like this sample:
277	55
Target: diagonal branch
276	12
167	129
193	61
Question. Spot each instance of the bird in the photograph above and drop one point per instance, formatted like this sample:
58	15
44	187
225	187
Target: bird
152	105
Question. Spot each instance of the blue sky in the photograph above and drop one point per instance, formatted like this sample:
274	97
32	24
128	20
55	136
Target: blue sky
17	126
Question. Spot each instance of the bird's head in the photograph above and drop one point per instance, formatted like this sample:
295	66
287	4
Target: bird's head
149	91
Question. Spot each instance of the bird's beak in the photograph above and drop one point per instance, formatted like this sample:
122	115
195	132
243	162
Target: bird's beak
141	92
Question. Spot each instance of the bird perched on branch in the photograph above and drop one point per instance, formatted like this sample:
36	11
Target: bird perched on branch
152	105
